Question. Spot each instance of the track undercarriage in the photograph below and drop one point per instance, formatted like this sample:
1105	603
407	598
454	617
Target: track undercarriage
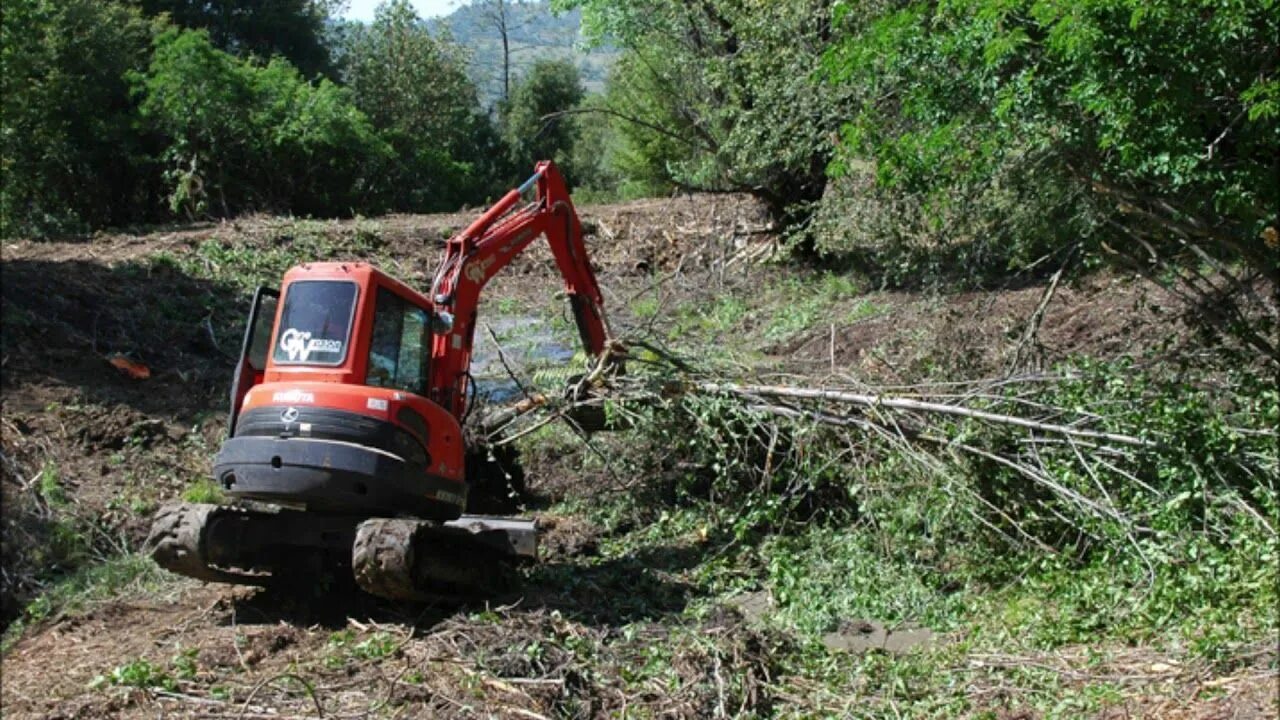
395	558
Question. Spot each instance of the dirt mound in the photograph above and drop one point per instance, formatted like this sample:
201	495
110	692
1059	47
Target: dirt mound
89	449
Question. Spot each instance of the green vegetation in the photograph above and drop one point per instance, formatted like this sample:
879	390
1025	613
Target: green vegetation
803	303
717	96
996	133
919	144
117	115
951	145
204	490
85	587
1168	547
292	29
51	486
414	88
343	648
925	146
241	136
68	150
531	130
139	674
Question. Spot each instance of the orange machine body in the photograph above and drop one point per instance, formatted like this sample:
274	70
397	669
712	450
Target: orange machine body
324	407
344	386
351	399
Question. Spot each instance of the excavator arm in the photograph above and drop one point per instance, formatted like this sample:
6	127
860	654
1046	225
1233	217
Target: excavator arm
488	245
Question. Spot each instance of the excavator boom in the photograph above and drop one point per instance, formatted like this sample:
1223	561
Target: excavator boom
484	248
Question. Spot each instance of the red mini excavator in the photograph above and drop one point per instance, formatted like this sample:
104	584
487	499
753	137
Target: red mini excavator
345	440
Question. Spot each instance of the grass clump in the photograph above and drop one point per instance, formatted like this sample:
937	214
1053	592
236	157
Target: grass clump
801	304
86	587
342	647
137	673
51	486
204	490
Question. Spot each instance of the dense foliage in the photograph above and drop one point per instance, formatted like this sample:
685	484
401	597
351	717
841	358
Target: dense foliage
720	95
292	29
998	132
956	142
947	143
242	135
117	113
959	138
70	156
534	125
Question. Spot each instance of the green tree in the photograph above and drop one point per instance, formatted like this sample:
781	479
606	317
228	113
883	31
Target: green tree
242	136
721	94
69	156
536	121
293	29
595	158
414	87
1150	129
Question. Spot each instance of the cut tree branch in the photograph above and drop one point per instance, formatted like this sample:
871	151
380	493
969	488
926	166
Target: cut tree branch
897	403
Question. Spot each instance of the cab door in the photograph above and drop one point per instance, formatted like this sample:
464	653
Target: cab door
253	350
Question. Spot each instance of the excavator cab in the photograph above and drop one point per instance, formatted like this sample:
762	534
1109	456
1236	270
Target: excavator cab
336	415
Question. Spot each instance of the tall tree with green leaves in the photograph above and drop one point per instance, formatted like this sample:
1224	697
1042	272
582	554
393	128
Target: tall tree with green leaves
415	89
69	156
536	124
721	94
292	29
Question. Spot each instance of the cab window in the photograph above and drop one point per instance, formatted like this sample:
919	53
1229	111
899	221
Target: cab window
400	346
315	324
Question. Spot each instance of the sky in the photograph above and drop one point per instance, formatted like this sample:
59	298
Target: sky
363	9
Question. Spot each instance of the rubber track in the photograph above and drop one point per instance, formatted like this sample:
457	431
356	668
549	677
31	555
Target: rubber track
420	560
176	543
382	558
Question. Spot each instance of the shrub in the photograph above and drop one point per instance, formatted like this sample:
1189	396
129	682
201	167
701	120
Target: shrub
243	137
68	151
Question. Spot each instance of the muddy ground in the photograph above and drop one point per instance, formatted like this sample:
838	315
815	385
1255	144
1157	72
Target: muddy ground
89	452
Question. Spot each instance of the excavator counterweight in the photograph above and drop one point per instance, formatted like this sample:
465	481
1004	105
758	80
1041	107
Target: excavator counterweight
345	442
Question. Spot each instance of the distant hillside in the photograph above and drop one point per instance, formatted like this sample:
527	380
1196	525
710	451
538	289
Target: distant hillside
535	32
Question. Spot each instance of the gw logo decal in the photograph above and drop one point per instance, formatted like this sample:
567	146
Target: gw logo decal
298	345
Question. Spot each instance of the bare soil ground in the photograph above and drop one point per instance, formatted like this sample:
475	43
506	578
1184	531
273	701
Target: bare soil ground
83	440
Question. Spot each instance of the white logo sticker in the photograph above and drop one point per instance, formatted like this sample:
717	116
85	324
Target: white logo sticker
376	404
298	345
293	397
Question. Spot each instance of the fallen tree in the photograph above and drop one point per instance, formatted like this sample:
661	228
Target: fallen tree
1061	462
